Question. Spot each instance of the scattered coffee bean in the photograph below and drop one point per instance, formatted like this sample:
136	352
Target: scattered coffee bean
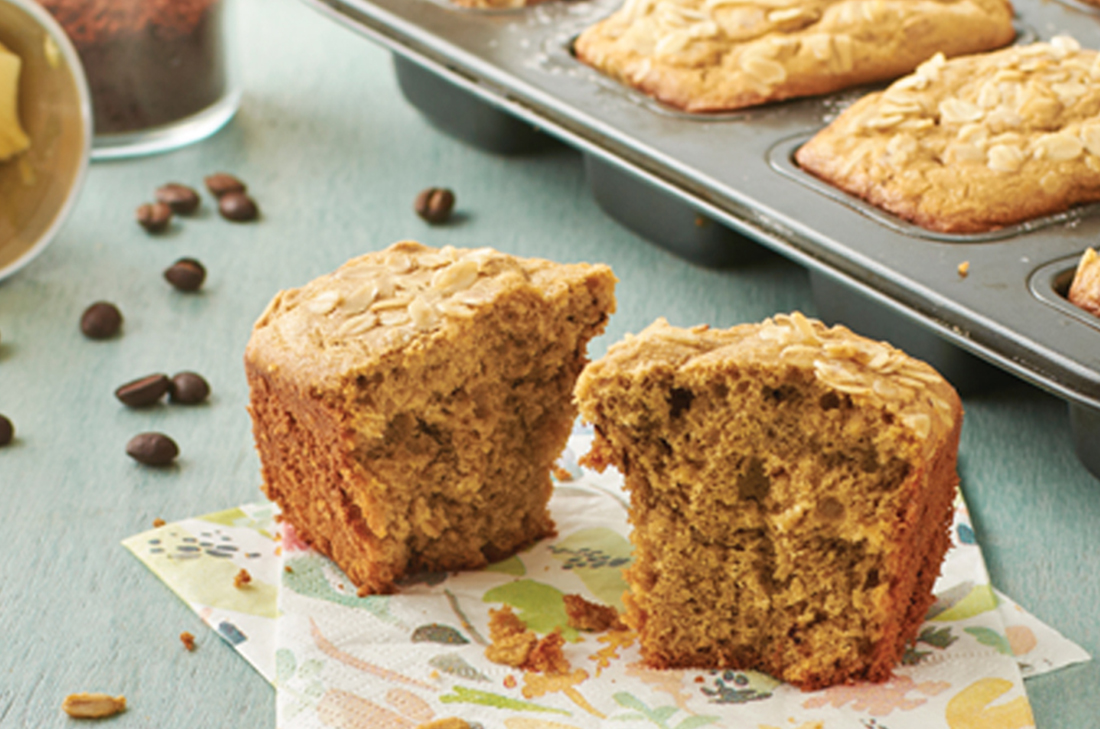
154	217
182	199
101	320
238	207
152	449
221	183
186	274
7	431
188	388
435	204
144	392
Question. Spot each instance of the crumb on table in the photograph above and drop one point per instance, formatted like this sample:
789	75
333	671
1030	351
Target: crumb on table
93	706
964	269
158	522
188	640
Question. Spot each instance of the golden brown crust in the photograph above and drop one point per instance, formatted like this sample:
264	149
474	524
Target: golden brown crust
972	144
1085	289
791	491
721	55
408	407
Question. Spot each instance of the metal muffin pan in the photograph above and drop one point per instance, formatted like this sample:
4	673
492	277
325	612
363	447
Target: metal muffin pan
461	115
636	204
872	271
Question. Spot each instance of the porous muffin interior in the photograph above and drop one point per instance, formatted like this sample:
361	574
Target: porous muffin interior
749	501
779	522
458	442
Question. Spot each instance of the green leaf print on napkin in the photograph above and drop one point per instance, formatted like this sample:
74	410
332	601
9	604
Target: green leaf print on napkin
659	716
937	637
538	605
991	638
306	576
950	607
456	665
511	566
463	695
307	688
598	556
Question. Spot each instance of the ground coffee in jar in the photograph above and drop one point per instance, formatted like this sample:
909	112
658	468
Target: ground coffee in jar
149	63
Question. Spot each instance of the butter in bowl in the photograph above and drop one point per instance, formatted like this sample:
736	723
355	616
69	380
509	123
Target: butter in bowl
45	131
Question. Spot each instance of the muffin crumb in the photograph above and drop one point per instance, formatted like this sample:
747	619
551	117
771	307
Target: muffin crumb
590	616
450	722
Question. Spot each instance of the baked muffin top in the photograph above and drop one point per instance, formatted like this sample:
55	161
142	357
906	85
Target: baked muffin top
869	372
719	55
973	143
402	297
1085	289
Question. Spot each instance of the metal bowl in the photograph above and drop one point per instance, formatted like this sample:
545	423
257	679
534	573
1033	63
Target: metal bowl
39	186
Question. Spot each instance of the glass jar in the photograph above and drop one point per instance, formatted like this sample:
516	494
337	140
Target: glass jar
162	72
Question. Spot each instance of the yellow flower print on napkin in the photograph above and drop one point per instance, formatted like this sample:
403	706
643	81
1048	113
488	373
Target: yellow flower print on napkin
536	685
971	708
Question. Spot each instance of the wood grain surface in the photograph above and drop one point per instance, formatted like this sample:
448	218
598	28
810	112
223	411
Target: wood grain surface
335	157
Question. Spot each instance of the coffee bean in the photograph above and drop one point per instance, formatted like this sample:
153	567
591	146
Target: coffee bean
7	431
144	392
435	205
154	217
221	183
238	207
101	320
186	274
188	388
182	199
152	449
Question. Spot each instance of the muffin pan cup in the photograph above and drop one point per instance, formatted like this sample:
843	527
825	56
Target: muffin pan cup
463	115
874	272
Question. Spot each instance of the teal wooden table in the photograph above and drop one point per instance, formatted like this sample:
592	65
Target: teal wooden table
335	157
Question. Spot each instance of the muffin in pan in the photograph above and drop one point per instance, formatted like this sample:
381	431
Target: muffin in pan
1084	292
973	144
723	55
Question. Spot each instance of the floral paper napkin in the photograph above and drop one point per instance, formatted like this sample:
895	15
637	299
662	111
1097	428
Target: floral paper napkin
396	661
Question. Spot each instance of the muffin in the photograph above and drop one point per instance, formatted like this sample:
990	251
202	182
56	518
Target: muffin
713	55
408	407
972	144
791	491
1085	289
